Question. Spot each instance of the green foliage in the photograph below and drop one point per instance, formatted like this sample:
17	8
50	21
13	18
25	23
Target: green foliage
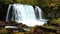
30	2
7	1
56	21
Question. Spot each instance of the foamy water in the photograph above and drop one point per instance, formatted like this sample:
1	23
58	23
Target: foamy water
25	14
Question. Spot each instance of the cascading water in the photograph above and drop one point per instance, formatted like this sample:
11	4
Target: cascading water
38	12
25	14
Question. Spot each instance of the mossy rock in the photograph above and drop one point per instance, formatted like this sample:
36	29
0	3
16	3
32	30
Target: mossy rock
4	31
18	33
56	21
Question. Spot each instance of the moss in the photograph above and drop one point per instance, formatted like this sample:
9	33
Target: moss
4	31
56	21
52	33
50	27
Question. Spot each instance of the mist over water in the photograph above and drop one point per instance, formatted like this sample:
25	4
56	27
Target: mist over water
25	14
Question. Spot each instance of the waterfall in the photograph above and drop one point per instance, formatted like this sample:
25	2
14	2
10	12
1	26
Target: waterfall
8	13
25	14
38	12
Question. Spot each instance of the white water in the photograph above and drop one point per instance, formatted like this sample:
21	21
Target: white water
37	9
25	14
